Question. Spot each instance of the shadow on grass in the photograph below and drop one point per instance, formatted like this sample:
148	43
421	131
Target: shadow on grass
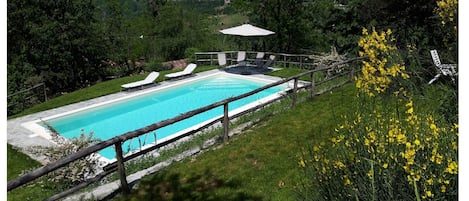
203	186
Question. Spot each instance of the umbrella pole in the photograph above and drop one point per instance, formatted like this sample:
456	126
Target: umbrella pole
223	41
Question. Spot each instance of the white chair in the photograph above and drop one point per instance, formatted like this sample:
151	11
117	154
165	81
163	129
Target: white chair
187	71
241	59
442	69
221	59
148	80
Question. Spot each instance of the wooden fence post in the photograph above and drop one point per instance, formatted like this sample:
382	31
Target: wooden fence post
295	89
312	85
226	123
352	72
121	168
45	93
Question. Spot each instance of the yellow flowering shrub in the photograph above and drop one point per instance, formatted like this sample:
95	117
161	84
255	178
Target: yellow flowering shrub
447	10
388	149
377	70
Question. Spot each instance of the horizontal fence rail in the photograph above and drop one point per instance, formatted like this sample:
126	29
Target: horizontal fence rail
302	61
118	140
20	100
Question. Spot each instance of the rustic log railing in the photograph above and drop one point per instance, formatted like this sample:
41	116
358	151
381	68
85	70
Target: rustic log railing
118	140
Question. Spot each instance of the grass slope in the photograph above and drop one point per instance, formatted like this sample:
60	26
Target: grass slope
18	162
261	164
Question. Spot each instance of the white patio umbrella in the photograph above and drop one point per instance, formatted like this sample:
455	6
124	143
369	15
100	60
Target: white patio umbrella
246	30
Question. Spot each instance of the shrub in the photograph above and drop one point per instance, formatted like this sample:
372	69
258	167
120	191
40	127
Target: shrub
189	54
75	172
388	149
154	65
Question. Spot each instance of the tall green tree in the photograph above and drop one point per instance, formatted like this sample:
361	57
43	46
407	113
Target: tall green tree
58	39
284	17
178	28
157	38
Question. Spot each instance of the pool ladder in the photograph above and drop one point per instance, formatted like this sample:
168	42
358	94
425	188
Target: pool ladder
129	147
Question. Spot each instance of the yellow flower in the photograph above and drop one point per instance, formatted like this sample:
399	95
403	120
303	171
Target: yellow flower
339	165
452	168
443	189
346	180
385	165
409	104
410	110
430	181
302	163
429	194
401	138
315	148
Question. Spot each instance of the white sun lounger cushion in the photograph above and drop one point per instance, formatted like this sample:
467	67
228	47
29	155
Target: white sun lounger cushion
148	80
187	71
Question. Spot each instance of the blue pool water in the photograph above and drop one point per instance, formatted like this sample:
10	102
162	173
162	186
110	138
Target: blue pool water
118	118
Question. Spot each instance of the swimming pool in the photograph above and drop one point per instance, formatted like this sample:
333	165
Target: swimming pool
121	116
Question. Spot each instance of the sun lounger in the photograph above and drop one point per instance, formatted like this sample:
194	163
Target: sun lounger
269	62
442	69
187	71
148	80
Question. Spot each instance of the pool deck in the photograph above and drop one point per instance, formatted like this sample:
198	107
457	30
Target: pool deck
23	138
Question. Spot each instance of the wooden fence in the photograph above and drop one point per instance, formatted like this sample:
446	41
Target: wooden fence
302	61
20	100
117	141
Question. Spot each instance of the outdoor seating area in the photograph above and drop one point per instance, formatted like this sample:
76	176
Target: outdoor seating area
245	65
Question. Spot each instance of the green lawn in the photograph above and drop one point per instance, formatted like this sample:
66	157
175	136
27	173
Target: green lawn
97	90
18	162
261	164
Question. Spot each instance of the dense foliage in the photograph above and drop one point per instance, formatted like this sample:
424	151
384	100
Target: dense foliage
53	41
72	44
315	25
